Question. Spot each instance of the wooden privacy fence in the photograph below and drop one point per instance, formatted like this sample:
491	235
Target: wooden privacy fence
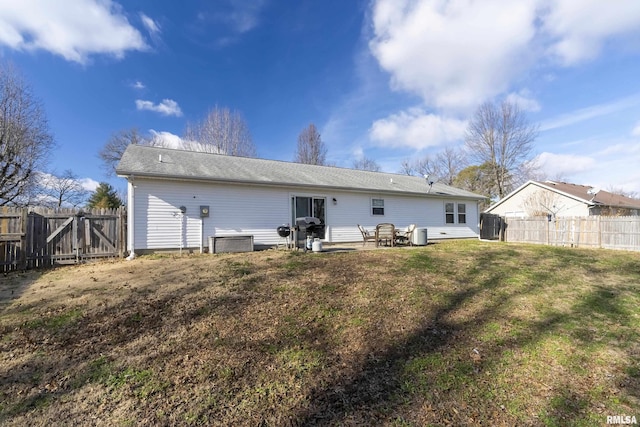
593	231
491	226
37	237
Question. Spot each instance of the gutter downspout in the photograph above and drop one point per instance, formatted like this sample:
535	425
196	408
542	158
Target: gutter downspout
130	219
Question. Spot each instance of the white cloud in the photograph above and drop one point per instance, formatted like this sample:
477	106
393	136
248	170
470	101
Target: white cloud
357	152
579	29
563	164
75	31
453	54
236	17
524	100
626	148
168	107
636	130
138	85
50	180
416	129
151	25
89	184
242	15
166	139
456	54
591	112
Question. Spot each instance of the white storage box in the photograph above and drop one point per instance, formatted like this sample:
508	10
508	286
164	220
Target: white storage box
219	244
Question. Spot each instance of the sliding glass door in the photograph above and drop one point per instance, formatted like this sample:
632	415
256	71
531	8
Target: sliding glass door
308	206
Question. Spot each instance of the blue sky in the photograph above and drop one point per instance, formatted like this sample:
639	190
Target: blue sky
386	79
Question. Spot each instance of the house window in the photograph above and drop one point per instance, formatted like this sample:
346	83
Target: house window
453	210
462	213
377	206
449	213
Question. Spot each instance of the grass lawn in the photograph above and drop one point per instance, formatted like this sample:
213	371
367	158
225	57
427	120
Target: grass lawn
455	333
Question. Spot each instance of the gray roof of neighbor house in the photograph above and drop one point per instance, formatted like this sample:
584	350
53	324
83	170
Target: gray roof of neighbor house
583	193
589	195
145	161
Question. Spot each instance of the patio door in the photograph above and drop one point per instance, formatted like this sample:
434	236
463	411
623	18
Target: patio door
308	206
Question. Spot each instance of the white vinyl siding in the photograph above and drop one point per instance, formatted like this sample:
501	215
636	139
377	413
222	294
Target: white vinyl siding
233	210
236	209
515	205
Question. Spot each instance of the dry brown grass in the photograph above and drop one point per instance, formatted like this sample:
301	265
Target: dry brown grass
456	333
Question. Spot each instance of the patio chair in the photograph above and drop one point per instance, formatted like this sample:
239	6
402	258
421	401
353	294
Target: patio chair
405	235
366	236
386	233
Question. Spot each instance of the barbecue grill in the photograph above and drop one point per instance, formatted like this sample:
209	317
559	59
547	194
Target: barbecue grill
284	231
308	228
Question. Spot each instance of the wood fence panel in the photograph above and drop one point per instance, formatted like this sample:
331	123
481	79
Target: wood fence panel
620	233
594	231
12	238
526	230
491	226
38	237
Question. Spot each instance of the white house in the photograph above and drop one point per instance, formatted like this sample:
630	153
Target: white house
178	199
561	199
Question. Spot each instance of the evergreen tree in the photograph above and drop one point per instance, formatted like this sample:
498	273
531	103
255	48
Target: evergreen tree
105	196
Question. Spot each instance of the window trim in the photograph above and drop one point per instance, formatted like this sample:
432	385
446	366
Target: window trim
449	213
374	207
453	216
462	214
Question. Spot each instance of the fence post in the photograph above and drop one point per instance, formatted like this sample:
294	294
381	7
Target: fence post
548	228
23	238
599	232
122	235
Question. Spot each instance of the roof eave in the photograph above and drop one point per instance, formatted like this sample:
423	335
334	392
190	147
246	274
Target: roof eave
130	175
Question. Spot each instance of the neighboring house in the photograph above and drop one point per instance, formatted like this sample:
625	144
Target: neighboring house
561	199
248	196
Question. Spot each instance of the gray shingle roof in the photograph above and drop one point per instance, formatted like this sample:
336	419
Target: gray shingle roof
145	161
602	197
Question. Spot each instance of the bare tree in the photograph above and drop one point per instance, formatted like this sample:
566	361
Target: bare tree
113	149
25	141
428	166
444	166
63	190
448	164
311	150
423	166
622	192
542	203
502	137
407	167
222	131
366	164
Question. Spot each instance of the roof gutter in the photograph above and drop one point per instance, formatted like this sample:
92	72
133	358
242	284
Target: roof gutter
122	174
